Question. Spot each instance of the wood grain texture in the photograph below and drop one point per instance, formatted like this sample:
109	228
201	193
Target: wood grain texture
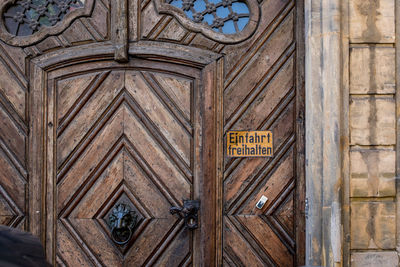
13	137
130	134
120	29
131	147
263	90
103	131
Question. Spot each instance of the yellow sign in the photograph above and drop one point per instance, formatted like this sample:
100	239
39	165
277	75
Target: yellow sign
249	144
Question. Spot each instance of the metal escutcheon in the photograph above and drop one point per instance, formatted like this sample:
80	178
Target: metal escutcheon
189	212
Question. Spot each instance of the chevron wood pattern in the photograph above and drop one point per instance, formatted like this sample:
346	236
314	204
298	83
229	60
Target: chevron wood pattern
123	135
118	133
13	137
259	94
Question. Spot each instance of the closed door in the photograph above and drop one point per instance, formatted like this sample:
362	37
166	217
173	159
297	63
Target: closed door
114	108
126	149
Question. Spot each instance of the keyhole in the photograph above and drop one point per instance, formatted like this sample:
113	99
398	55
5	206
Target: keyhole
191	221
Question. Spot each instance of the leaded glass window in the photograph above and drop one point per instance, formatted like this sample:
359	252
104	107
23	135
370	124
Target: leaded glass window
28	16
223	16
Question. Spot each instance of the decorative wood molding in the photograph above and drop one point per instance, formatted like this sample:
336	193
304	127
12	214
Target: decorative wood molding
44	32
160	51
119	28
163	8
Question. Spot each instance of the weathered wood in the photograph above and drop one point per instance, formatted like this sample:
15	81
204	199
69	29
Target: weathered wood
126	144
119	29
345	133
397	98
150	131
246	32
300	195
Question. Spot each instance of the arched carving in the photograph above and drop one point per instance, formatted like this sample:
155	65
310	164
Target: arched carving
26	22
185	12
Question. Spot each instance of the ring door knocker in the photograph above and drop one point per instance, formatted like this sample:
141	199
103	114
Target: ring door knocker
188	212
121	222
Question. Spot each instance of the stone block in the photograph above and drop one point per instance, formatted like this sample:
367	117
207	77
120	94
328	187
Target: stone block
374	259
372	173
373	225
372	120
372	70
372	21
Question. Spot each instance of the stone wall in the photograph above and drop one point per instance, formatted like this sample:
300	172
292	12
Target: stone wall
372	132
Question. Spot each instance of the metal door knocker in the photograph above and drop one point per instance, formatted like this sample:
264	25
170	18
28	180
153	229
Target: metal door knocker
188	212
122	220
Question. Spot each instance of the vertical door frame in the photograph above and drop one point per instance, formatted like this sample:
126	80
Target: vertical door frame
300	203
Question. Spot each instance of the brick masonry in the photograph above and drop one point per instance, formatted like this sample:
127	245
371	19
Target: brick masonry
372	125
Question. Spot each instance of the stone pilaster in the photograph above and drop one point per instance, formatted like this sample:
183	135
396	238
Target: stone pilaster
372	132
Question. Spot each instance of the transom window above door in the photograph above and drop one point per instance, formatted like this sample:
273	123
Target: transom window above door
28	16
26	22
224	21
225	16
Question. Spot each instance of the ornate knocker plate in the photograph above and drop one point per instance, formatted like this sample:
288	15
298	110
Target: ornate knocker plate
121	222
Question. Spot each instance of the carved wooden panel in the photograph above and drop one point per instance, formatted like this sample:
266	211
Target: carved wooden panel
261	92
13	137
101	132
127	134
123	133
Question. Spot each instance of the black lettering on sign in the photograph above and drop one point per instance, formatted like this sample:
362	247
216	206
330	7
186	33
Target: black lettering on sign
249	144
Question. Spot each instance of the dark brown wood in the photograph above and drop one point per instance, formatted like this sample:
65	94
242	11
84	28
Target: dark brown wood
299	204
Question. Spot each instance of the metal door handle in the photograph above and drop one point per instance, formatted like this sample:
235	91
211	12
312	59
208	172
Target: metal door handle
189	212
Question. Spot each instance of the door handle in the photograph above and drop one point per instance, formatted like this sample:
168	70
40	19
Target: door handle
189	212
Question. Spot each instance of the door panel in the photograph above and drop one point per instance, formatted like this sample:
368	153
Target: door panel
263	90
150	132
13	138
127	134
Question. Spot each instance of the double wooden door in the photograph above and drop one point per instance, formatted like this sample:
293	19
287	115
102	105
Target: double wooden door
122	107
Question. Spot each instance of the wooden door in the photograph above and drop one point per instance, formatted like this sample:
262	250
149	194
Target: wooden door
136	134
129	101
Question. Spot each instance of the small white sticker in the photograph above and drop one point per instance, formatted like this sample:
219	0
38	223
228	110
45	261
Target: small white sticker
260	204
